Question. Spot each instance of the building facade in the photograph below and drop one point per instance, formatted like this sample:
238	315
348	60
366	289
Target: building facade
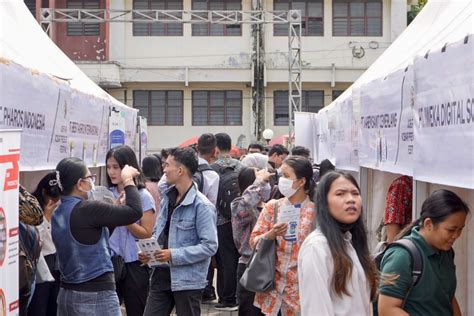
188	79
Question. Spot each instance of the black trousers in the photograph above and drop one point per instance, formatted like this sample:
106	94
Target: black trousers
162	300
245	298
227	258
209	290
133	289
43	302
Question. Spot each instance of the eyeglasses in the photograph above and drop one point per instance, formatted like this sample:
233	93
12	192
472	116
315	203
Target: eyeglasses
92	177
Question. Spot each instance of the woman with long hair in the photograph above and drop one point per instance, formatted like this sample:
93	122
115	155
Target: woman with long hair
132	278
300	213
337	275
80	230
44	297
442	219
153	171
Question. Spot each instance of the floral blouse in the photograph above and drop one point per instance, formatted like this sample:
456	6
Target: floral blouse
245	213
285	296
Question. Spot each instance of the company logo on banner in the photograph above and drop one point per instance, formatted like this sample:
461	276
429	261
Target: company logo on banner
386	138
444	116
116	129
9	176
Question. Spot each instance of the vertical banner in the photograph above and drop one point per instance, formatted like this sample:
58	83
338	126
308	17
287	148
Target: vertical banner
143	137
59	144
386	123
444	115
9	177
116	129
323	137
305	131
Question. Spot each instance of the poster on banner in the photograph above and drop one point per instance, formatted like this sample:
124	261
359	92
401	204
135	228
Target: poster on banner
444	116
9	177
386	139
28	101
103	143
343	132
85	127
130	127
305	131
59	144
116	129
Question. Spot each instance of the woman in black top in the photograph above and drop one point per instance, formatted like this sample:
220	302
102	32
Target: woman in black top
80	230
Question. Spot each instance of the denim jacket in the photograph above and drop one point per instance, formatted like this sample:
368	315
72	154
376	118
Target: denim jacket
192	239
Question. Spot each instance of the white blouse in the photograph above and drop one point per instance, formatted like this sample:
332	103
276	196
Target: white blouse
44	229
315	270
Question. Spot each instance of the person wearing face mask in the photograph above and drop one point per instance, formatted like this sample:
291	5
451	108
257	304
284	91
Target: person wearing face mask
255	189
80	231
132	279
295	219
336	272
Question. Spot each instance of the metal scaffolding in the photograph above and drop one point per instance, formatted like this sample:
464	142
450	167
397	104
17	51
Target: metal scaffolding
257	18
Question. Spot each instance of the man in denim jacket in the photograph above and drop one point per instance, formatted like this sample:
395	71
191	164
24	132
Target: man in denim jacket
186	231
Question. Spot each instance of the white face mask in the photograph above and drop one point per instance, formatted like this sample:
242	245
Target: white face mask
286	187
90	193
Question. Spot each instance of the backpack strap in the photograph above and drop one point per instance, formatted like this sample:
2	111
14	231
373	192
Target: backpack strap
416	262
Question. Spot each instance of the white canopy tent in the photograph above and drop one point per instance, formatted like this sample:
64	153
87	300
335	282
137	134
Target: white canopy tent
61	111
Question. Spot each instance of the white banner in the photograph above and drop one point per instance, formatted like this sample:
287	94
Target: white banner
9	174
444	116
305	131
343	131
323	139
116	129
28	101
143	137
386	123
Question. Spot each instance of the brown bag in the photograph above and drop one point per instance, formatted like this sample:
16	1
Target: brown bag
30	210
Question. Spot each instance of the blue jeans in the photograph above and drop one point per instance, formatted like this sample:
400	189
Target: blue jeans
75	303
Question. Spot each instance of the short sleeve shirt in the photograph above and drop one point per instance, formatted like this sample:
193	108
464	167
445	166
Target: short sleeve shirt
436	287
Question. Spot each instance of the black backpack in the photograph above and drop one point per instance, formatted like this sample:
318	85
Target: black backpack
198	176
228	189
416	263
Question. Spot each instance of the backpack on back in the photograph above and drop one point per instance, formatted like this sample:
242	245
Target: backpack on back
198	176
416	263
228	189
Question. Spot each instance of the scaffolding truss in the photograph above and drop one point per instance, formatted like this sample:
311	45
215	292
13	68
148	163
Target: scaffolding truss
257	18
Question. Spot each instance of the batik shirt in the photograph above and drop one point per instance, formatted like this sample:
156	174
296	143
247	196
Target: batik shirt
285	296
398	209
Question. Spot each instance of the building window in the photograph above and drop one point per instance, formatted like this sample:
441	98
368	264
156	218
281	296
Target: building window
313	101
159	107
217	107
312	13
336	94
155	28
357	17
83	29
216	29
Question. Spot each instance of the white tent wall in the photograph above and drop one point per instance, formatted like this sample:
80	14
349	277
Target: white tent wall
61	111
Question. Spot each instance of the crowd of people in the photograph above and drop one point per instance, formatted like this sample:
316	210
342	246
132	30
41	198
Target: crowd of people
210	211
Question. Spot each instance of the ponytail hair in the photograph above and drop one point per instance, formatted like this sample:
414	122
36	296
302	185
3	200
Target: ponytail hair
438	206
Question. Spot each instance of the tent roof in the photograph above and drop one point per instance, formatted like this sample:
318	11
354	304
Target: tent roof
23	41
440	22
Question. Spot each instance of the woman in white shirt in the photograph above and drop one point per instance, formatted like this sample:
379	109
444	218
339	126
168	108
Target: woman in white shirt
336	273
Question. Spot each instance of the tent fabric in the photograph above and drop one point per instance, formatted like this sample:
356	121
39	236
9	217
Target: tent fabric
439	23
23	41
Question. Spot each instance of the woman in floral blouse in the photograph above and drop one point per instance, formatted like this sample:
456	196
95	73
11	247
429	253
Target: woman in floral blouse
294	184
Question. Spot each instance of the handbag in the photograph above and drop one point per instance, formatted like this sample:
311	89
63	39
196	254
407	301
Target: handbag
259	275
